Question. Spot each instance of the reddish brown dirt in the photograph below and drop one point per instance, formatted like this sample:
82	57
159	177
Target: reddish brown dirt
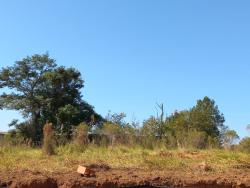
115	178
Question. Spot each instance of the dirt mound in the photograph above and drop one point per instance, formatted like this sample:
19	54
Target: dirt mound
99	167
27	179
115	178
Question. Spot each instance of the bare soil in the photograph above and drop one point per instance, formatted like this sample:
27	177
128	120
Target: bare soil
130	178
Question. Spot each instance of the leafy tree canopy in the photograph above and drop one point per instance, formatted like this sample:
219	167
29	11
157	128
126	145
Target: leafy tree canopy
43	91
206	117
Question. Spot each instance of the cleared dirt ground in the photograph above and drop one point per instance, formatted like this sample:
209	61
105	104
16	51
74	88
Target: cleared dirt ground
108	178
22	167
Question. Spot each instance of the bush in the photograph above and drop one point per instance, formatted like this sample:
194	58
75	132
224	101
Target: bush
13	138
148	142
62	139
112	131
170	141
197	140
213	142
48	139
81	135
244	145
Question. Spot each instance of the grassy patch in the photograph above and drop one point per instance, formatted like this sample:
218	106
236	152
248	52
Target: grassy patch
68	157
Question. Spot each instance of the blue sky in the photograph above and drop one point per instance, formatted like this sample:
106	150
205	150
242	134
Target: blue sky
133	54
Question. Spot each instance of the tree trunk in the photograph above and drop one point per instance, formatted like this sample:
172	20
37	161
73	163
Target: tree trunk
36	129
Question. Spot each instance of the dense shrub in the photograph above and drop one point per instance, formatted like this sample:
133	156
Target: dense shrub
197	139
62	139
148	142
244	145
170	141
13	138
112	131
81	135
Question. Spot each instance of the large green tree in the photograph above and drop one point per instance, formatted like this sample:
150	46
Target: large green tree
42	91
179	123
206	117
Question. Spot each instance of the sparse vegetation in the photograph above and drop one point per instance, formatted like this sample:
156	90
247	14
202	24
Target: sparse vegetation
244	145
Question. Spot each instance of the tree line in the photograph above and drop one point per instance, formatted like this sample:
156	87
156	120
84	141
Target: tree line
44	92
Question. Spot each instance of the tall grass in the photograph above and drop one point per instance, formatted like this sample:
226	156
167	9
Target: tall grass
67	158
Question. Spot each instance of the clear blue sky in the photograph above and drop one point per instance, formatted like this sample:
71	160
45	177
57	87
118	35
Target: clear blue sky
133	54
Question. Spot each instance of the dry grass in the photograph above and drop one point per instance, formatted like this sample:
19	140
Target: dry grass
68	157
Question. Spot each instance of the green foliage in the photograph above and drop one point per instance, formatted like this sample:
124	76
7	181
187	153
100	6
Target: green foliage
156	126
110	128
81	135
149	132
180	126
206	117
186	136
112	131
230	136
150	127
13	138
130	134
197	139
115	131
42	91
200	127
116	118
244	145
24	80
